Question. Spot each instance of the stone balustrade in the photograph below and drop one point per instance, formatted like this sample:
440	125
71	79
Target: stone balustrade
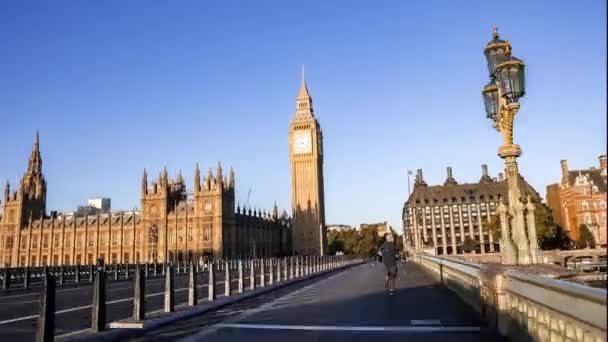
524	306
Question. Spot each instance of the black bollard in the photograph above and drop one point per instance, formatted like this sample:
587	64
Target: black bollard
211	287
77	275
91	268
146	274
192	295
169	294
98	316
45	330
139	311
116	272
61	275
127	272
26	278
154	271
6	279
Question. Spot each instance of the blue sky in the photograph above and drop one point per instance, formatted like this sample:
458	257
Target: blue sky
116	86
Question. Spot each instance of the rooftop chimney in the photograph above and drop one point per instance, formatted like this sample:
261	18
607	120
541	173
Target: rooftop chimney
484	174
450	180
603	162
564	165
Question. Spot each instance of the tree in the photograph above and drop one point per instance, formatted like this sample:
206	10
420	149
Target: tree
469	245
586	238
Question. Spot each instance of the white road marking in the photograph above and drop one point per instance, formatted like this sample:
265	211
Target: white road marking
425	322
199	336
351	328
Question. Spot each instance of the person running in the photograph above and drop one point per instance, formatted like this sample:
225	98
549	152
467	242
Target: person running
390	263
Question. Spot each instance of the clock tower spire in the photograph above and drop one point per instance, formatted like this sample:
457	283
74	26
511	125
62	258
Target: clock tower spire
307	194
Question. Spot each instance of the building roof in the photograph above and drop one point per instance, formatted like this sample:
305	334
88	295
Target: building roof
594	177
465	193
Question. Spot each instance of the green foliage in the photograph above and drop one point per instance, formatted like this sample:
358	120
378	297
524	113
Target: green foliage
586	237
550	235
469	244
364	243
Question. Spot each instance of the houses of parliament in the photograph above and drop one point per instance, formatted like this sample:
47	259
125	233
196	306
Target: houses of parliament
172	225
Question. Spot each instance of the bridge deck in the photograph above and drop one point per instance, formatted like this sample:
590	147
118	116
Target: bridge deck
348	306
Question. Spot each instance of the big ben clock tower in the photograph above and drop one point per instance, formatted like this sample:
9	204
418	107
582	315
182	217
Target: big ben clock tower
307	195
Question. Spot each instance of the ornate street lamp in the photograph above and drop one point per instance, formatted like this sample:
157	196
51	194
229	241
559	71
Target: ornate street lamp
501	100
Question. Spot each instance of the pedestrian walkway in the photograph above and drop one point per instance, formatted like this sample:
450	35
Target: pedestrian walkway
352	305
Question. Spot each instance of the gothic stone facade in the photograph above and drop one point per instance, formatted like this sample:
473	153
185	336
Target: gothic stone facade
439	218
169	227
307	190
580	198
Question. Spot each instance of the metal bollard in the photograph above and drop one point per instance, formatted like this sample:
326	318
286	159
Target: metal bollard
297	261
6	279
240	276
285	269
61	275
139	311
192	295
77	275
290	268
252	275
154	270
115	272
211	287
169	287
262	274
146	270
227	280
127	272
98	316
279	271
45	330
26	278
91	273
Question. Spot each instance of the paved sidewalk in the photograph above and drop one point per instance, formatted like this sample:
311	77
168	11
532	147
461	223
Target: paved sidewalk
348	306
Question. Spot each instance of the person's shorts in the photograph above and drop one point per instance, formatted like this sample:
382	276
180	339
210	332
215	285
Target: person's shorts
391	271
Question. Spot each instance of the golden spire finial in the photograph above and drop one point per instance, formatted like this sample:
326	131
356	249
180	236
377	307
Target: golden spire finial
495	31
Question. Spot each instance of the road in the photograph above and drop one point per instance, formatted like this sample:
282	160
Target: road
351	305
19	312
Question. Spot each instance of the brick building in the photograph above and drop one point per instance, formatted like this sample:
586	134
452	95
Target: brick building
580	198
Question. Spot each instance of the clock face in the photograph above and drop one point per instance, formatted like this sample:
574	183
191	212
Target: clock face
207	206
302	142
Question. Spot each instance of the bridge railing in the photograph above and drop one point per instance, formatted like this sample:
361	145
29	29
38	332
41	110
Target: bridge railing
236	277
524	306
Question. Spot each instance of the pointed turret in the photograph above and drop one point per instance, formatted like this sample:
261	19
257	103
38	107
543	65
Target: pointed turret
163	177
275	211
218	175
144	183
7	191
197	179
485	178
34	166
231	178
304	101
180	178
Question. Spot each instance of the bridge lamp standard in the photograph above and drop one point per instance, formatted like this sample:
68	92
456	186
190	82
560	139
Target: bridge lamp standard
501	95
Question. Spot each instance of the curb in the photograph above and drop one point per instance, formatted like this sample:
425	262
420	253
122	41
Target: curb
119	334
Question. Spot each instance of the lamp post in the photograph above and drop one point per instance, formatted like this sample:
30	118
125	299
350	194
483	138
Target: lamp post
501	99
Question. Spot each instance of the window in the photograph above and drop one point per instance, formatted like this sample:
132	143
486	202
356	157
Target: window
207	232
9	242
23	245
68	240
34	242
45	241
56	241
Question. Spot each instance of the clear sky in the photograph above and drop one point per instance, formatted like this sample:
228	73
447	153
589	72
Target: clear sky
116	86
